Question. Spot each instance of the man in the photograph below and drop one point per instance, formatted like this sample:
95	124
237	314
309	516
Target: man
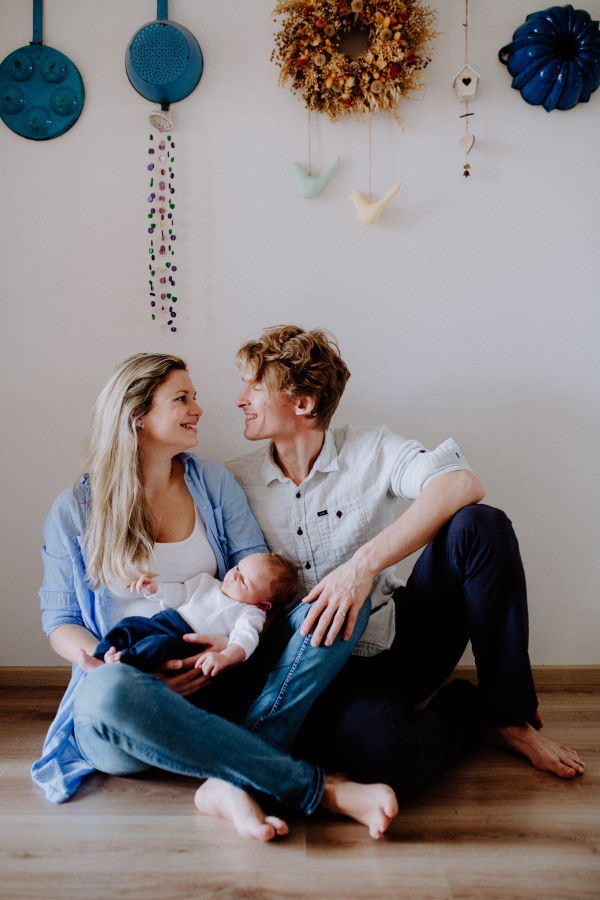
327	499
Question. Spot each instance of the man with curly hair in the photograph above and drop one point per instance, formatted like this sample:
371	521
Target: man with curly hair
327	497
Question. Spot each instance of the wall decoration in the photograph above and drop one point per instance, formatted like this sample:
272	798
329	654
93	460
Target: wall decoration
368	212
164	64
465	84
308	52
309	185
554	58
41	91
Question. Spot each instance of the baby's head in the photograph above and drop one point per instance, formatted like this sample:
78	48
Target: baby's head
265	580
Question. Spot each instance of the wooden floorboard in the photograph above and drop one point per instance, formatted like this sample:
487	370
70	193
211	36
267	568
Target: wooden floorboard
493	828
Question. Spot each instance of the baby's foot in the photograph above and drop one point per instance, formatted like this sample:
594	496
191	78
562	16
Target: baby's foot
86	662
373	805
112	656
225	801
543	753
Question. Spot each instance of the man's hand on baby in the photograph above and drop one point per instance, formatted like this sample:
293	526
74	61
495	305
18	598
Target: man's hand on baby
143	585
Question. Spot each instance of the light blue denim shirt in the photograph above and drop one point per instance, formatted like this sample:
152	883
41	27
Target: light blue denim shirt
66	597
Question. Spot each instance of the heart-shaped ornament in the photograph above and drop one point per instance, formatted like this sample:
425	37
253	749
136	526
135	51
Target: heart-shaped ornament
466	142
466	81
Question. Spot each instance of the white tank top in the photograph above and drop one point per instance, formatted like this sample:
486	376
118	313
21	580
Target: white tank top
177	561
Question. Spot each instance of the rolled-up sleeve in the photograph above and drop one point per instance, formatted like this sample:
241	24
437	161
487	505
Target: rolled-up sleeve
412	474
58	599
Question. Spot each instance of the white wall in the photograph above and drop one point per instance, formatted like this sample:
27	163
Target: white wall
469	310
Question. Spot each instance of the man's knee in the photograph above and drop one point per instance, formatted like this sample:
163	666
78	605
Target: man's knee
484	521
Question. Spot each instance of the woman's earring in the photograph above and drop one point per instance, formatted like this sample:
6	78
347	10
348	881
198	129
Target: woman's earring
141	426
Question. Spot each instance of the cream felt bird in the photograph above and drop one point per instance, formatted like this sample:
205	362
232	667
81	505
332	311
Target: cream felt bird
310	186
368	213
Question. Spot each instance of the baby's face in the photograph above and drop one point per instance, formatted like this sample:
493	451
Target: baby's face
249	582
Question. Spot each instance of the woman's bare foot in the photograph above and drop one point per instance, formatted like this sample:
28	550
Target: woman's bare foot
86	662
225	801
373	805
543	753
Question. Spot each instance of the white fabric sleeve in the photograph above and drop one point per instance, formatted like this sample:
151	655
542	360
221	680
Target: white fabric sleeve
409	480
247	627
173	594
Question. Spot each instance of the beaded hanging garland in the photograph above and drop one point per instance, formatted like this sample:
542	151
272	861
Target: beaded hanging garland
161	231
307	50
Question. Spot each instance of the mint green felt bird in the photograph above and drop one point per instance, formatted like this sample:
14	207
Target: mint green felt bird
310	186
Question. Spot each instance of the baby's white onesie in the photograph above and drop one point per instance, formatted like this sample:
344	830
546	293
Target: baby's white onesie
207	610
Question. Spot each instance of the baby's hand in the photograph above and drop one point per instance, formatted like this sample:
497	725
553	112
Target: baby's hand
212	663
143	585
112	656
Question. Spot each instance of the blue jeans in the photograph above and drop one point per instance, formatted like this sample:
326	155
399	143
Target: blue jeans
128	721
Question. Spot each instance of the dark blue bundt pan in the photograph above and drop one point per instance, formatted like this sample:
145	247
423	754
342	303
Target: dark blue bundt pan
554	58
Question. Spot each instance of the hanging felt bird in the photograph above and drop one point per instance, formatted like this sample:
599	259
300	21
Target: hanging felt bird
310	186
368	213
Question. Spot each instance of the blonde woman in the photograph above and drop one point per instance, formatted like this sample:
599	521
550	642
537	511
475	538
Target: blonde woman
146	506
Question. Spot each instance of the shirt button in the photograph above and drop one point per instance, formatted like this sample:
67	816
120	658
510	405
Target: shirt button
204	507
308	565
298	495
299	531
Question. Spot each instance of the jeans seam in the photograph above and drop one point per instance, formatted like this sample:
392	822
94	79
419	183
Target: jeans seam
282	691
315	800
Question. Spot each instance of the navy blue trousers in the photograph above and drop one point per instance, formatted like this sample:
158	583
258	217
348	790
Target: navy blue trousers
468	584
147	644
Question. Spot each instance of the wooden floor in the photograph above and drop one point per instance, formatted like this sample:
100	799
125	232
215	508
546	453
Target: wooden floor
493	827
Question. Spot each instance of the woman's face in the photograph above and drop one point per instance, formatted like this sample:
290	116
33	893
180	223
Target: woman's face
171	424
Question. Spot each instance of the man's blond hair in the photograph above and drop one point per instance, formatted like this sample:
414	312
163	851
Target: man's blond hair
287	359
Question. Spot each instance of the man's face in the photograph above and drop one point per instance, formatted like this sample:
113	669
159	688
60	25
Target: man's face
268	416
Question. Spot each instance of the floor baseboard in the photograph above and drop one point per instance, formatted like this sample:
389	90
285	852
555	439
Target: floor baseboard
547	678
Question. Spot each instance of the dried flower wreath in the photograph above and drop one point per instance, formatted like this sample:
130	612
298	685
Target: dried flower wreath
307	50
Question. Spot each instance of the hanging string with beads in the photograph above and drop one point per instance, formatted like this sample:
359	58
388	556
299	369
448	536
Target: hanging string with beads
162	233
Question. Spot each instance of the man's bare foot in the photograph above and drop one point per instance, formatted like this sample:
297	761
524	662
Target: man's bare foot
537	722
86	662
543	753
225	801
373	805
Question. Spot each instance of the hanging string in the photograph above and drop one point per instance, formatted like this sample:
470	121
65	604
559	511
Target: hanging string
369	157
309	171
466	167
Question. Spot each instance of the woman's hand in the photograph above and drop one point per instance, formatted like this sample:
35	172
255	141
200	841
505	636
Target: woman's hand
337	600
188	679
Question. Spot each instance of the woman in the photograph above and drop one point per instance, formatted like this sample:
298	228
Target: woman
145	503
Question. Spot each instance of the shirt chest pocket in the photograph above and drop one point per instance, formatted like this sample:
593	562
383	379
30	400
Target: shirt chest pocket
342	530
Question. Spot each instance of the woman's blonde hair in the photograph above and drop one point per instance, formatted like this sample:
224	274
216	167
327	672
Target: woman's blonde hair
120	535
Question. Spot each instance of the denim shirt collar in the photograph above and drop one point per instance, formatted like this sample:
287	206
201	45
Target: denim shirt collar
326	461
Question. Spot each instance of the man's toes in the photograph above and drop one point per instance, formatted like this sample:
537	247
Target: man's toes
565	771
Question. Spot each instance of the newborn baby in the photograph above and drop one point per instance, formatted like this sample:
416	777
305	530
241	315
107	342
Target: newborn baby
235	608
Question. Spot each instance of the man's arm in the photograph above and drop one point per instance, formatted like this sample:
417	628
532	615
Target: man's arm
338	598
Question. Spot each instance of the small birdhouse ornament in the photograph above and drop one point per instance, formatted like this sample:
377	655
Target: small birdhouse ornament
465	83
